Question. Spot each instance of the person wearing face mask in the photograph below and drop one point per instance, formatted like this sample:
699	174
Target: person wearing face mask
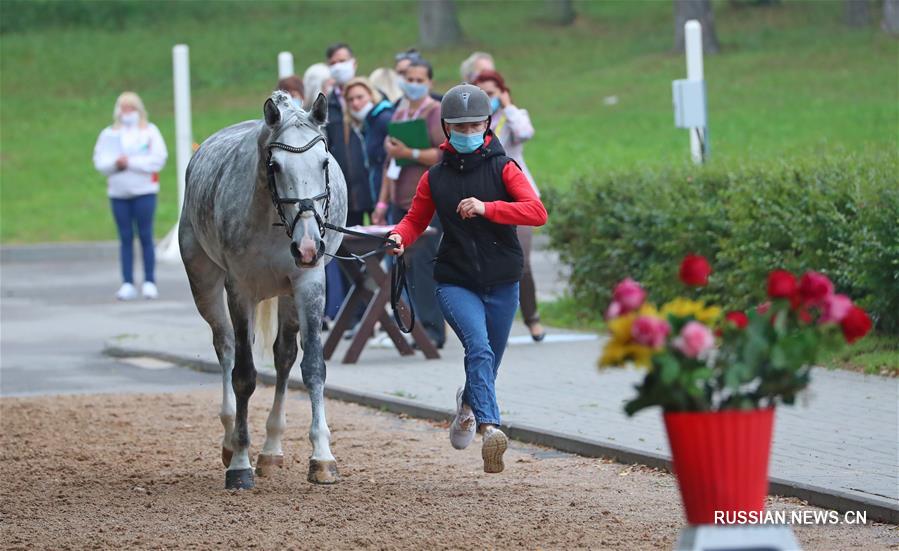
342	66
369	114
398	188
402	61
131	153
293	86
480	195
512	127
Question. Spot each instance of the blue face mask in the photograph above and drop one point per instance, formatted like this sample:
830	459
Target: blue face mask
466	143
494	105
414	90
297	102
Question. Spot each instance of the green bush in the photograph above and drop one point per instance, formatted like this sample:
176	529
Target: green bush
839	216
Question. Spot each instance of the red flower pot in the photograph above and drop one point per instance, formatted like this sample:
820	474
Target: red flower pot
721	461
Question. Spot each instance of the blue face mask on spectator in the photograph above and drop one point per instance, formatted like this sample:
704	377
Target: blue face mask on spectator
414	90
466	143
494	105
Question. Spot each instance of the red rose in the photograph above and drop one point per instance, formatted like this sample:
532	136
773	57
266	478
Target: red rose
695	270
739	319
856	324
781	284
814	288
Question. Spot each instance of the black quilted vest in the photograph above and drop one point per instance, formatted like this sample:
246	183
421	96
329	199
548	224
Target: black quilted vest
474	253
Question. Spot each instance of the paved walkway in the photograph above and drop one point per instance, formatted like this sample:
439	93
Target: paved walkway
838	448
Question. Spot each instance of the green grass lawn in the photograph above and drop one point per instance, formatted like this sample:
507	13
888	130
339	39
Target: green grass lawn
790	81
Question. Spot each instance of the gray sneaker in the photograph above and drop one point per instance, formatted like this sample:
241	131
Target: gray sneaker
463	428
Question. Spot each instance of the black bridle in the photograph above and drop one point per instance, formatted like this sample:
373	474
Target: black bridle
398	273
305	204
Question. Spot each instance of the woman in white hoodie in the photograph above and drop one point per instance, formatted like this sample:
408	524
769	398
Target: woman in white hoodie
130	153
512	125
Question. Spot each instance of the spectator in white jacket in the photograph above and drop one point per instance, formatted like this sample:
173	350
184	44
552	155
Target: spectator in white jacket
130	153
512	126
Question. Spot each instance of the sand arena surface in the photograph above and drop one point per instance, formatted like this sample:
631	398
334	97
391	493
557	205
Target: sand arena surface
143	471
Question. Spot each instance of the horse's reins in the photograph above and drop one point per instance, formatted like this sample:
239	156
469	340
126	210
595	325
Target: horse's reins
398	282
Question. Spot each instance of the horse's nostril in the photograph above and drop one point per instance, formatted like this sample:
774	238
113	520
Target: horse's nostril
294	251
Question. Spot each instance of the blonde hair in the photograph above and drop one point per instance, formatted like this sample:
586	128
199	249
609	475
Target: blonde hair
314	80
132	99
467	67
384	79
376	96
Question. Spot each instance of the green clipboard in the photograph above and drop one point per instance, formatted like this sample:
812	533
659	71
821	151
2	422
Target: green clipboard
413	133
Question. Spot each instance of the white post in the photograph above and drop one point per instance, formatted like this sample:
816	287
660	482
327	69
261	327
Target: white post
168	248
285	64
693	38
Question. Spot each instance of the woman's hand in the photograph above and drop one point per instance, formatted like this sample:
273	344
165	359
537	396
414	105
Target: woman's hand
379	215
470	207
122	162
399	249
397	149
505	99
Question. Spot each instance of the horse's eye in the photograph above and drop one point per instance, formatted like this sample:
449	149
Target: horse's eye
276	167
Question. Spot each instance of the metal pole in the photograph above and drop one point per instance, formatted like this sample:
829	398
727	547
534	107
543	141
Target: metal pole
693	35
285	64
183	132
168	248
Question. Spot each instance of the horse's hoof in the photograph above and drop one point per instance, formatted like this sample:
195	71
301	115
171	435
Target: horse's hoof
267	464
239	479
323	472
226	456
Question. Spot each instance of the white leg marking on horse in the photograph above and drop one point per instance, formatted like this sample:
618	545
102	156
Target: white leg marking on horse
319	433
240	459
274	426
229	407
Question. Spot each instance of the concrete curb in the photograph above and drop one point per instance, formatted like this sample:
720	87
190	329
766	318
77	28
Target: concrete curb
60	252
106	250
877	510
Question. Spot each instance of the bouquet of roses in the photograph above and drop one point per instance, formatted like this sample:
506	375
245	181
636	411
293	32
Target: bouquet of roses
699	360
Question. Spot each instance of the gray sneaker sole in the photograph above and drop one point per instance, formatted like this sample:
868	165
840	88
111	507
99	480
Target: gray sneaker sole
495	445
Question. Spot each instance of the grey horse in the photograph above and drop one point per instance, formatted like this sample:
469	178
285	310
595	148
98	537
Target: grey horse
256	198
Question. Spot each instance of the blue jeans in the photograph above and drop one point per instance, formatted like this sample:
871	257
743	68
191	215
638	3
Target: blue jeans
482	321
128	213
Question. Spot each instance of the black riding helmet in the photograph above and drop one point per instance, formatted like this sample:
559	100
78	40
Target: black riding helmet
465	103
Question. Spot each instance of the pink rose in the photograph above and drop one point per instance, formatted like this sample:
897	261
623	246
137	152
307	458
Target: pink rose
629	295
814	288
695	339
613	311
650	331
835	308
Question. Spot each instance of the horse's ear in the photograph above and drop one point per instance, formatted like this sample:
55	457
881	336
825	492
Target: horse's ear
319	114
271	112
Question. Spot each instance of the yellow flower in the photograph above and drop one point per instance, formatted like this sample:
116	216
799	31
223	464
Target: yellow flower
616	354
620	327
682	308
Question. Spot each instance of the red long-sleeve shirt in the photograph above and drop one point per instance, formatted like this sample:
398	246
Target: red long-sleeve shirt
525	209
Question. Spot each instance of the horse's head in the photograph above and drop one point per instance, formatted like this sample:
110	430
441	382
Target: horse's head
297	169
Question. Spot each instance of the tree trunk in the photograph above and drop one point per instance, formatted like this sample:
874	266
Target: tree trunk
701	10
560	12
438	24
856	13
891	16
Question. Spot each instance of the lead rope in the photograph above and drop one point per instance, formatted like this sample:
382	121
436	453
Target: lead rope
398	284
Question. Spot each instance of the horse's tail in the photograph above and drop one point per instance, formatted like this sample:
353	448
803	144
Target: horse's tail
266	327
